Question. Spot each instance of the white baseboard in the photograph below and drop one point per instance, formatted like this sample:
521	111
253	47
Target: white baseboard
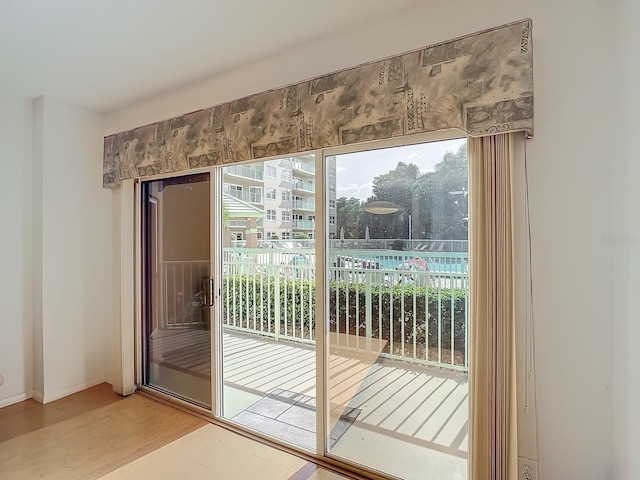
40	398
109	379
52	397
14	399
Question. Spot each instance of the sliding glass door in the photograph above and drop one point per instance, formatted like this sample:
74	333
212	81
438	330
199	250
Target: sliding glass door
352	345
397	293
267	298
177	287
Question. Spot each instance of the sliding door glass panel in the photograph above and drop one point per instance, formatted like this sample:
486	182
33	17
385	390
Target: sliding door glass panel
268	298
397	310
176	267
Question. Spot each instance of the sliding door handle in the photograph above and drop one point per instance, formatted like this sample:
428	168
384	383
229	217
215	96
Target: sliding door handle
206	291
204	300
210	294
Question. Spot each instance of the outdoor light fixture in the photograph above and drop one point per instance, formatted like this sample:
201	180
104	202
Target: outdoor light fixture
381	207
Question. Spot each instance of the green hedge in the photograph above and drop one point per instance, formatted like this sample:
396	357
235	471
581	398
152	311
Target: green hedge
256	294
432	309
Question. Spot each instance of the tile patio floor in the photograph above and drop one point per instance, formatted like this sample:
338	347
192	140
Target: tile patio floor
412	420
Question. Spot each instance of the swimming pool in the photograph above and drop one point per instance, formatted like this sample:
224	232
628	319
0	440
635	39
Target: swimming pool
451	263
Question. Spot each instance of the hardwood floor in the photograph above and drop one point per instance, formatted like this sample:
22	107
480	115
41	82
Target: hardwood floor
96	433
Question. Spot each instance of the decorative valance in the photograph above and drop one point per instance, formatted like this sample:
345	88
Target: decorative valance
480	84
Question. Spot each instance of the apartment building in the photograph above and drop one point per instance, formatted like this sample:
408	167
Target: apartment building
285	189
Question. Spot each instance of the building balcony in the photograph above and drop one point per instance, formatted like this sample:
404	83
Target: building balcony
237	224
245	171
399	375
304	225
251	197
305	186
302	205
304	168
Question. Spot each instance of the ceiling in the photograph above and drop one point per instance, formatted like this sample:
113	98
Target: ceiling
105	54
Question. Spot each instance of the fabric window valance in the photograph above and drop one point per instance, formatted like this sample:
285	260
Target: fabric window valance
481	84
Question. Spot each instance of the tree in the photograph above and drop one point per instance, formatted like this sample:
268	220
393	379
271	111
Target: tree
226	216
349	215
449	185
397	187
436	201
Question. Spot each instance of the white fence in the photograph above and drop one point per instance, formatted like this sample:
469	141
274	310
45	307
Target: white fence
415	302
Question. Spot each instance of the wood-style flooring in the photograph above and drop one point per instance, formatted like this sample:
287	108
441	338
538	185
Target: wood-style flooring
98	434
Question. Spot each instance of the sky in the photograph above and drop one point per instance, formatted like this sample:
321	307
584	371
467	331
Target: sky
355	171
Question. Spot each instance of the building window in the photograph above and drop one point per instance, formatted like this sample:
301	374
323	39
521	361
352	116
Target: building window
332	220
332	188
311	218
286	215
271	193
332	172
271	215
233	190
286	195
271	171
286	175
286	235
332	204
270	235
259	235
255	195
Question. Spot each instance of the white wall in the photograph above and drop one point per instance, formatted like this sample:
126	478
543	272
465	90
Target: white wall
73	259
56	229
572	187
626	248
16	312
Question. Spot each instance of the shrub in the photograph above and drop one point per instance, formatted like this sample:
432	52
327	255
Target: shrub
435	313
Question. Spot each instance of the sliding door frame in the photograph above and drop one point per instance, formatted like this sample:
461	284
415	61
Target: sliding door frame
139	336
322	247
217	380
130	240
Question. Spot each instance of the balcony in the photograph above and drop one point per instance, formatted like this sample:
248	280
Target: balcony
244	171
394	399
303	205
305	186
243	223
306	168
423	318
236	224
251	197
304	225
397	356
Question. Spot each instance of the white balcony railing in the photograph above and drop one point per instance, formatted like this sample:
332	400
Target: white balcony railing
302	205
304	167
251	197
245	172
415	304
237	224
306	186
304	224
180	284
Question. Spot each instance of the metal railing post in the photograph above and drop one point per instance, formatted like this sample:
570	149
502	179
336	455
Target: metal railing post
277	297
448	273
368	304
